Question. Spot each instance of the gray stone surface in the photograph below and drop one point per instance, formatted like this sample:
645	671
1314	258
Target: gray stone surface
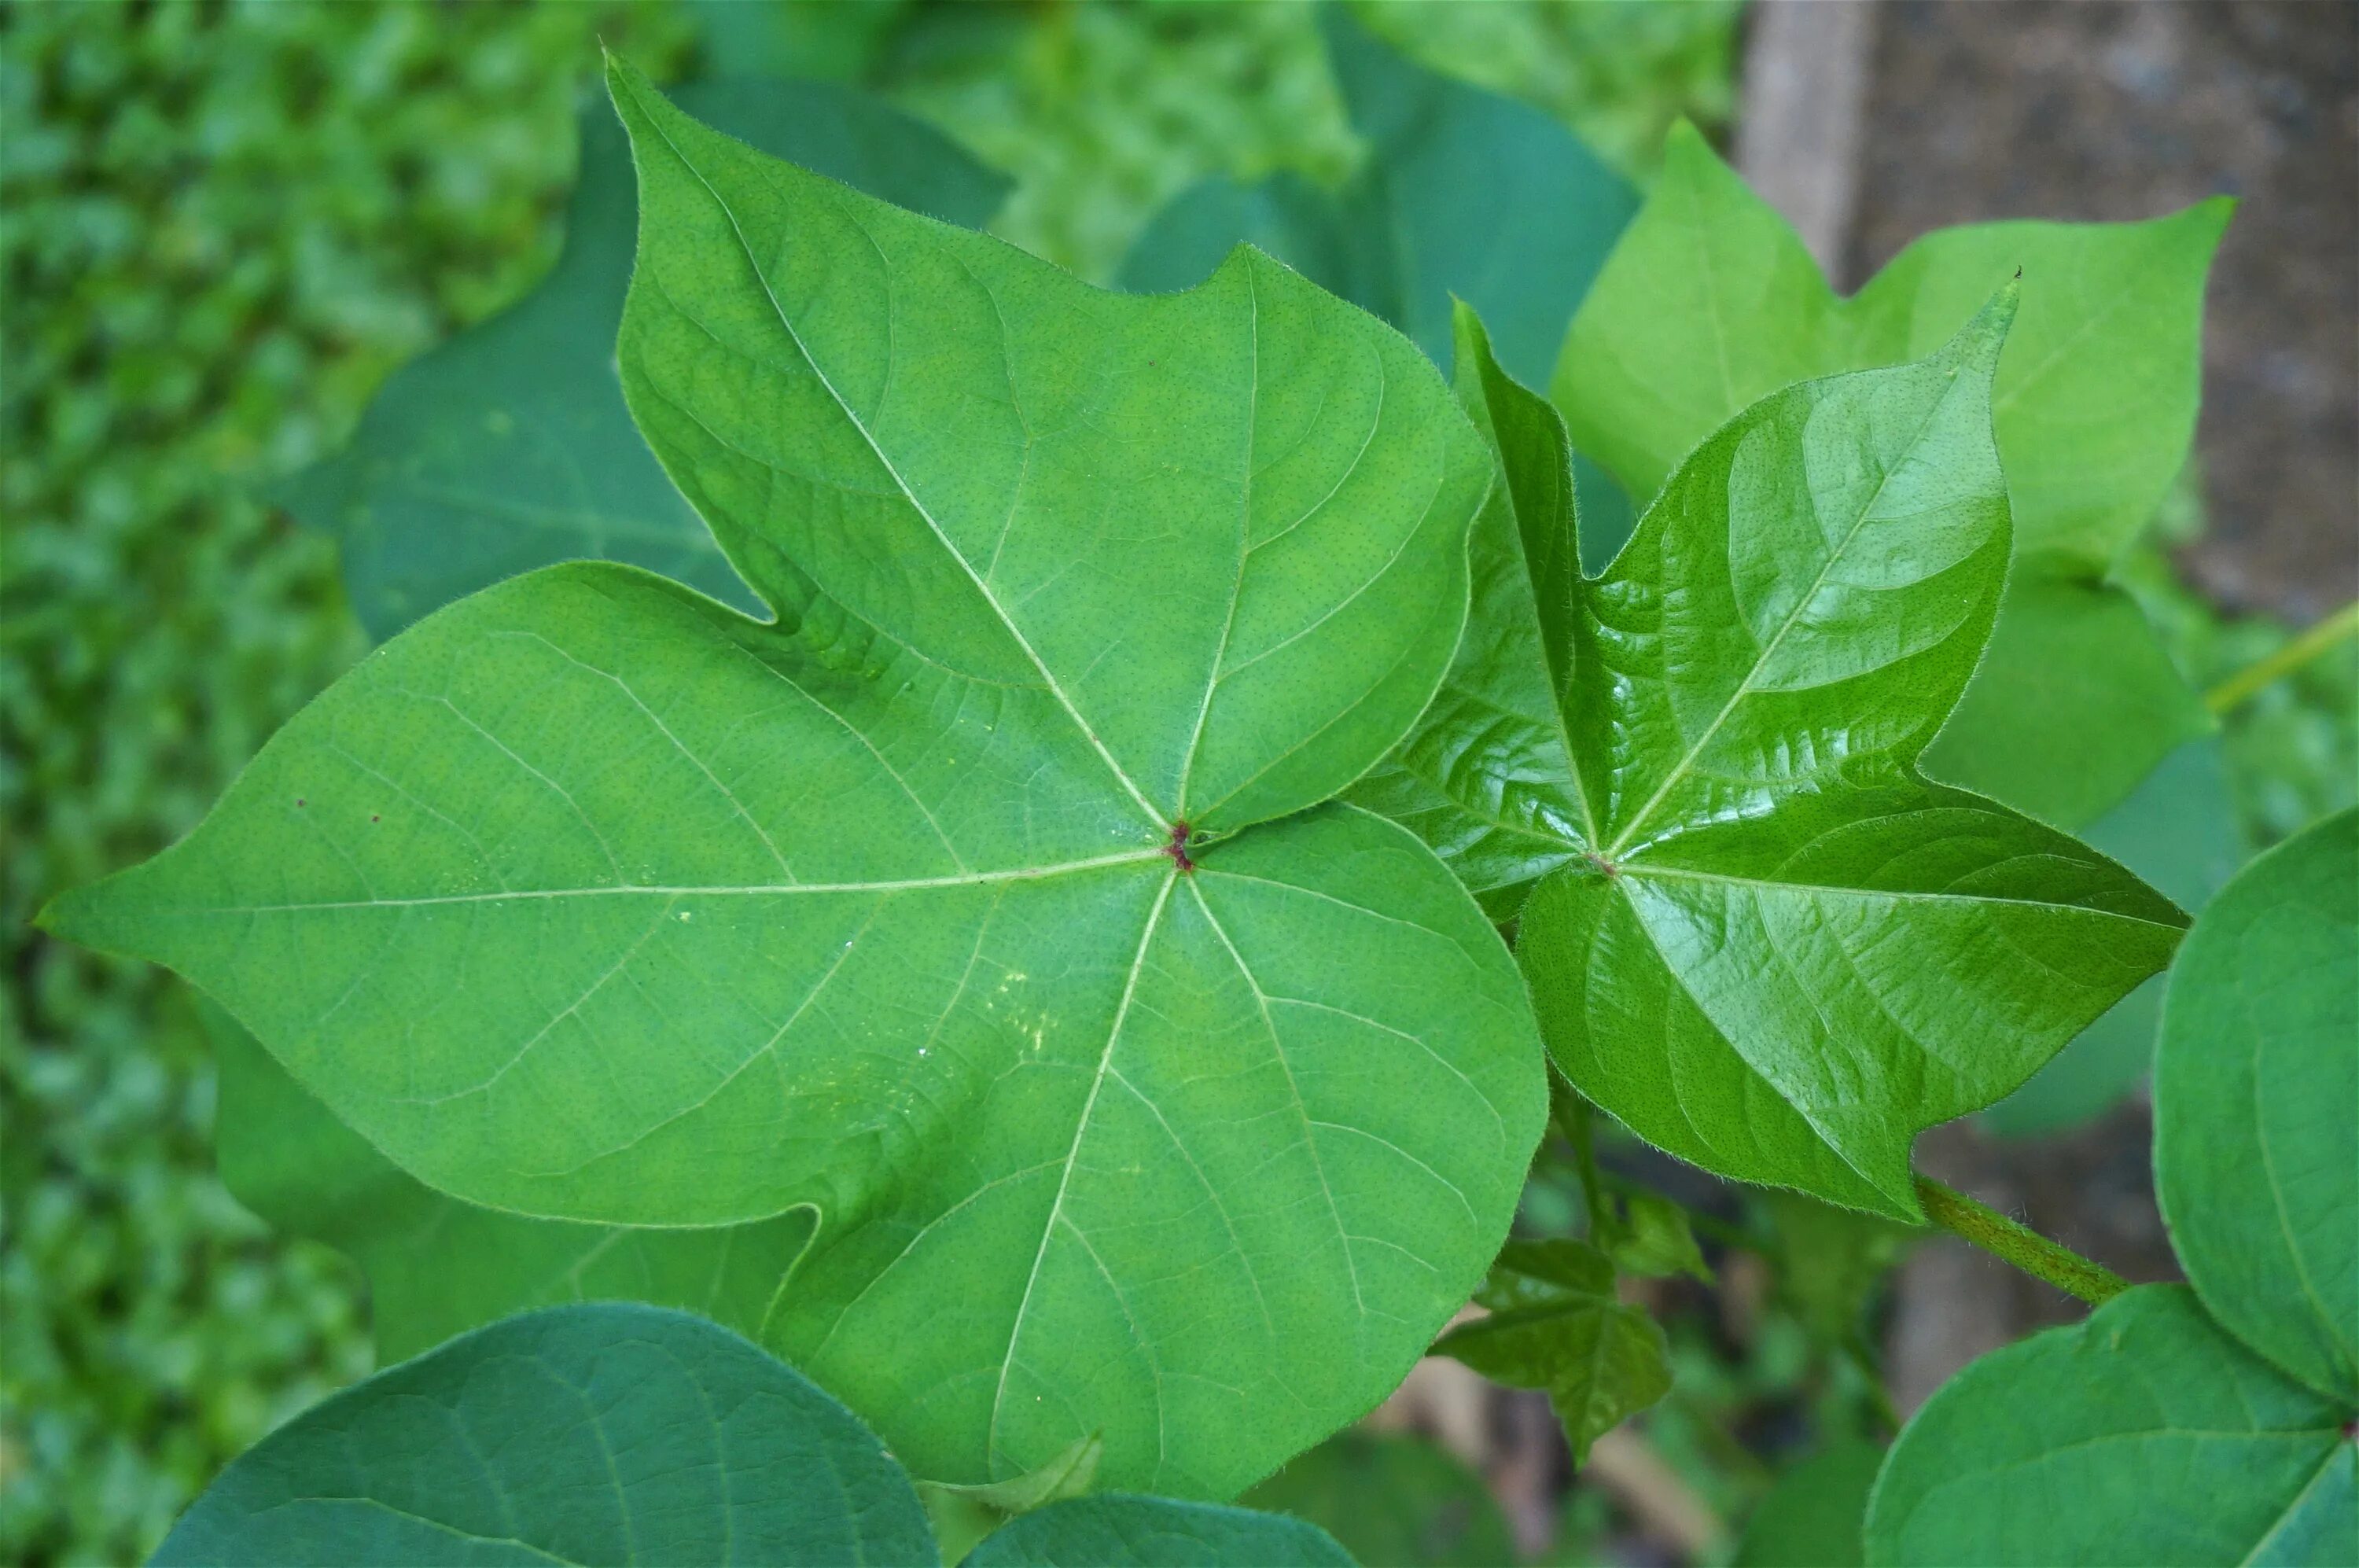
2119	109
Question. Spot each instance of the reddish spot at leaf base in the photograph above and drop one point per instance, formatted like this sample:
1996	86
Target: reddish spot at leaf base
1178	848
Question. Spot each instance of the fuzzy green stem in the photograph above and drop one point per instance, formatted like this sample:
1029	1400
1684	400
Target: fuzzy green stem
2017	1244
2337	627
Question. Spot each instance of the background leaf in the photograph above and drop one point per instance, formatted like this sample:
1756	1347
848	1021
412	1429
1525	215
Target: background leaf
591	899
1710	303
2144	1435
2178	831
1812	1518
508	447
579	1434
1392	1502
1155	1532
437	1267
2256	1149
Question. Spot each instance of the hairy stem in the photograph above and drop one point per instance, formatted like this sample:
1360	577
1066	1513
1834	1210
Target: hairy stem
2337	627
2024	1248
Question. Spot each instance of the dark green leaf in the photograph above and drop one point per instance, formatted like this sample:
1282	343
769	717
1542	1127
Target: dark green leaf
510	447
1556	1325
2257	1145
1393	1502
1812	1517
2145	1435
2178	831
1769	944
1710	303
592	900
437	1267
587	1434
1155	1533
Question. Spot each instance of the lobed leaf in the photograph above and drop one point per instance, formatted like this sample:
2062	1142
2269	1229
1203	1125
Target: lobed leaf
1762	940
508	447
579	1434
2255	1148
2145	1435
1712	303
983	905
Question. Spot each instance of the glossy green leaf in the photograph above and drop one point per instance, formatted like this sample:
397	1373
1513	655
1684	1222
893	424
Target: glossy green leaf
587	1434
1768	944
508	447
2146	1435
1710	303
590	898
1556	1325
1392	1502
1463	195
1812	1518
2257	1143
1155	1533
2178	831
437	1267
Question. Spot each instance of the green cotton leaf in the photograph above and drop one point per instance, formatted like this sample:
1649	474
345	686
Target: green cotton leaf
437	1267
1762	940
1655	1239
1390	1498
1710	303
1463	194
984	903
1556	1325
2256	1147
2144	1435
2178	831
508	447
585	1435
1155	1533
1812	1517
962	1516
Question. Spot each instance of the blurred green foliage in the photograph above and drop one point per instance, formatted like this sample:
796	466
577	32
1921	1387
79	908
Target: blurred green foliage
223	222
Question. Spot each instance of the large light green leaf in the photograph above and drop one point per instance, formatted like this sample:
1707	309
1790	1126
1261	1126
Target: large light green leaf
1463	195
2256	1108
1555	1324
1768	944
1393	1502
586	1434
1710	303
1155	1533
591	899
2178	831
2144	1436
437	1267
508	447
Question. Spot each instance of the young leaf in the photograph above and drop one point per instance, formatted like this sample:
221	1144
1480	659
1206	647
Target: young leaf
579	1434
2256	1147
1769	944
508	447
2145	1434
983	902
437	1267
1655	1239
2178	831
1555	1324
1155	1532
1812	1517
1710	303
1392	1500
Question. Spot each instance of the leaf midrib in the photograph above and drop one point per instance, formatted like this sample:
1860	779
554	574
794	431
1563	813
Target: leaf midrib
1049	679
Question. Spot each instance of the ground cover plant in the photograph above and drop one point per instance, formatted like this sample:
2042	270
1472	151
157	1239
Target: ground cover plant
1036	978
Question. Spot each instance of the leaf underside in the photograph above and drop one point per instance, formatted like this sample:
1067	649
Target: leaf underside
591	899
1754	932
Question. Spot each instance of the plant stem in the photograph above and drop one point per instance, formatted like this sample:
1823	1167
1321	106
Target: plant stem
2341	624
2024	1248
